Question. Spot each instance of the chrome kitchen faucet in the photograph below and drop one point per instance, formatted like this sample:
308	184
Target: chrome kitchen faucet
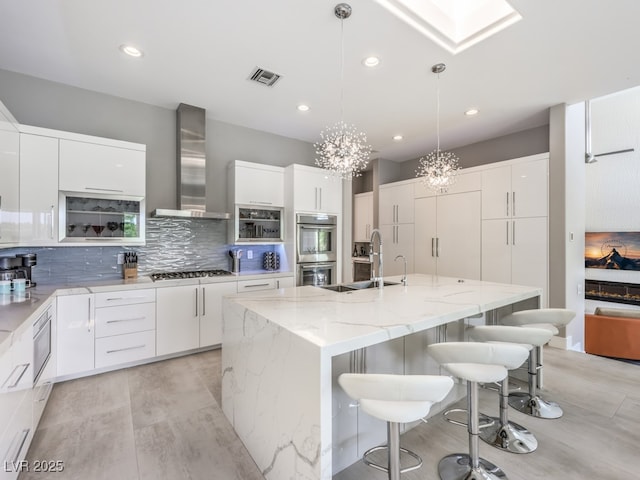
379	278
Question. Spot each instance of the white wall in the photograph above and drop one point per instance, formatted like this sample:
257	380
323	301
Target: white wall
613	182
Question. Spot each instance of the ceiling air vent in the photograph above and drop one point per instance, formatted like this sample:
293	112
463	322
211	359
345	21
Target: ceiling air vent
264	77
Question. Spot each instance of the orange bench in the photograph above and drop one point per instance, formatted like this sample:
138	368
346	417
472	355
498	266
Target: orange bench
613	333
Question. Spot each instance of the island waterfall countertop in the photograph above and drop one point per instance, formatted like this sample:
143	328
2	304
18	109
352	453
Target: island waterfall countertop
343	322
281	351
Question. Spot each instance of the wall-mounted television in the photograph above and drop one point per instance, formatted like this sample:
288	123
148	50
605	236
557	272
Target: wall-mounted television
612	250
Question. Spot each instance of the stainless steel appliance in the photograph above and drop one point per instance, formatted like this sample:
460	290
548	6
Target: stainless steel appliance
317	274
18	266
41	343
316	249
317	238
188	274
361	269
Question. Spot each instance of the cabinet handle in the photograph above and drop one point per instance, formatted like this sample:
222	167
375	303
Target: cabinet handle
21	442
196	302
513	197
104	189
89	315
25	367
433	242
513	233
507	204
47	386
115	299
52	221
507	225
255	202
126	348
320	191
257	285
437	247
126	320
315	204
363	361
203	302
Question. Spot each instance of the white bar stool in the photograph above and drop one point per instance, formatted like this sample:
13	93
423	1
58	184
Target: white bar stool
550	319
476	363
395	399
503	433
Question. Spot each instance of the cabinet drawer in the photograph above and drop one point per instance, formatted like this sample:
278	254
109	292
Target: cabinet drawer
125	297
125	348
255	285
125	319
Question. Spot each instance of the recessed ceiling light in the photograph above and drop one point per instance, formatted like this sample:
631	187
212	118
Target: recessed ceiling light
371	62
471	112
397	138
303	108
131	51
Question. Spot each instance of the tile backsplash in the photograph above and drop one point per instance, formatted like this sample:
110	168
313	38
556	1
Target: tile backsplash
173	244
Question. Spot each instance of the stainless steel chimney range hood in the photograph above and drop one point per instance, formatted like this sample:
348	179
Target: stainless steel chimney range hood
191	163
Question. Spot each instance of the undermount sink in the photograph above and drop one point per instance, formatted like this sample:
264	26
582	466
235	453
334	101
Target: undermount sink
350	287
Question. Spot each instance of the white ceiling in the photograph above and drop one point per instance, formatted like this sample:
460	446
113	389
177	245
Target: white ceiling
201	52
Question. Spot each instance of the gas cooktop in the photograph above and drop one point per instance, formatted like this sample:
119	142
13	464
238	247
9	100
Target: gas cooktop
188	274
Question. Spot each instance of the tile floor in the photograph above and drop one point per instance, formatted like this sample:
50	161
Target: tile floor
163	421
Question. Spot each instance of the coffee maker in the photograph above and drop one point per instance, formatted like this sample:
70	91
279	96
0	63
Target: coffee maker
18	266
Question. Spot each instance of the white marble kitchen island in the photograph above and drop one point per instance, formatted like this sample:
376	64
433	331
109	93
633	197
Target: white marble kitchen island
278	347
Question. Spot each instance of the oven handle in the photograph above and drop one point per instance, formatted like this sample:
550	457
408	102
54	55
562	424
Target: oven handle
317	227
316	265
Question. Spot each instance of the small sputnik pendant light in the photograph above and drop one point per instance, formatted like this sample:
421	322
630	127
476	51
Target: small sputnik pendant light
343	150
437	170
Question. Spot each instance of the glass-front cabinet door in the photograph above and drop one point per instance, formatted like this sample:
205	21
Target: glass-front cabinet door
258	225
101	219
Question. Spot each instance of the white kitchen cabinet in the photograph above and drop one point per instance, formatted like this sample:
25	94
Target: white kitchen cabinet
448	235
396	203
9	178
396	240
75	334
129	347
16	397
516	190
125	326
362	216
178	319
285	282
38	190
516	251
515	239
314	189
396	217
102	168
211	311
255	184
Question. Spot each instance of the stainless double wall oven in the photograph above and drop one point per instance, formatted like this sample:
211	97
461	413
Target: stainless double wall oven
316	249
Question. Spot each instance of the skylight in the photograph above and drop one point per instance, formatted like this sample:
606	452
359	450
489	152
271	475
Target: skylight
454	24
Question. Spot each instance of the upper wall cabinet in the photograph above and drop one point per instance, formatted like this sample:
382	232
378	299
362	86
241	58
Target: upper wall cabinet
518	190
9	177
38	189
396	203
102	168
255	184
362	216
314	190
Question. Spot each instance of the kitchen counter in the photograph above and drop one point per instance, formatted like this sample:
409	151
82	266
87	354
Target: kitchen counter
278	348
15	309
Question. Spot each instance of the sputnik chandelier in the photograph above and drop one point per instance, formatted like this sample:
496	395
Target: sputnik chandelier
343	150
437	170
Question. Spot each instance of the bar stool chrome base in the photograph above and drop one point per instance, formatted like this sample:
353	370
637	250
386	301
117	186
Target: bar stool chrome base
372	464
458	467
510	437
534	406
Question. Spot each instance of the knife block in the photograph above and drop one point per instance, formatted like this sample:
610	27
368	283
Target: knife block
130	272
